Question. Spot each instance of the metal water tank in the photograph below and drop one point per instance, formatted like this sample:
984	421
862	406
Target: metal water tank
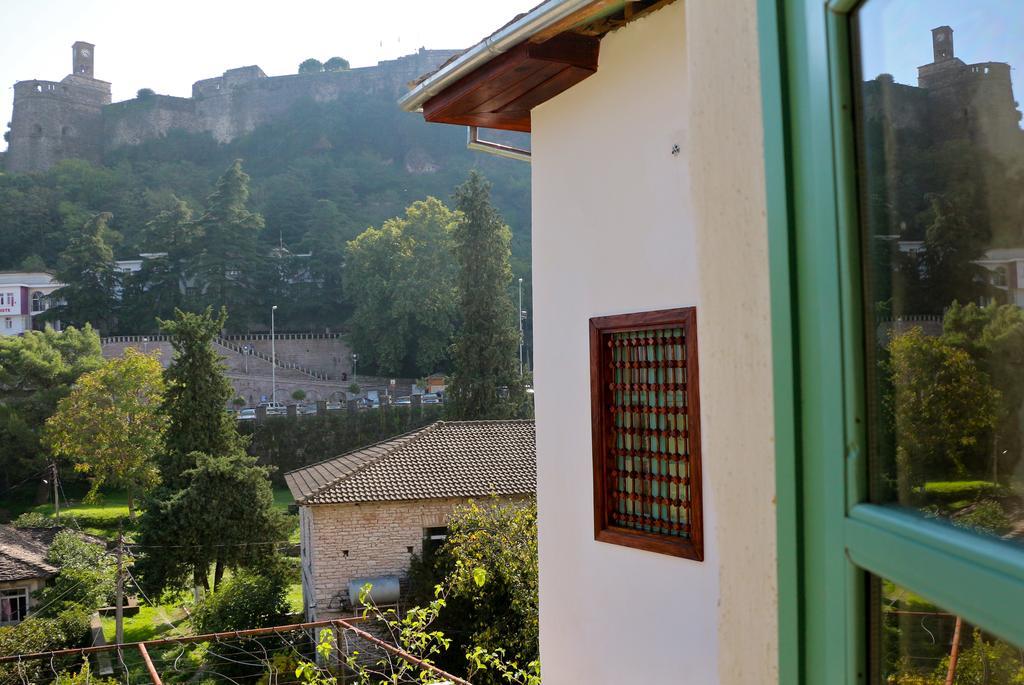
384	590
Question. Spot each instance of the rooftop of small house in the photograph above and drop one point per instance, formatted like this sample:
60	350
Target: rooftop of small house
23	553
444	459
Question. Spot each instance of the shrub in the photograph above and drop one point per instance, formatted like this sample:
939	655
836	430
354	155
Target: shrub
299	395
238	402
246	600
959	490
33	519
986	516
86	580
34	634
83	677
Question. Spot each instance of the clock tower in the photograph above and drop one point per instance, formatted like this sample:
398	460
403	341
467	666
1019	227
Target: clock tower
82	60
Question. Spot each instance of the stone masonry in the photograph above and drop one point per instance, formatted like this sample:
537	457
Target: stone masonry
74	118
345	541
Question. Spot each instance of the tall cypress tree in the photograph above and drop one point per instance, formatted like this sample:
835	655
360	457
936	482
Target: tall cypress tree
486	382
197	394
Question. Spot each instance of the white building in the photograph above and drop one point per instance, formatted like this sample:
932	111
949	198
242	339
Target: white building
694	171
23	297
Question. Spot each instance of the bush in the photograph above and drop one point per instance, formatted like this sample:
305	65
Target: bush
246	600
34	634
33	519
490	563
986	516
299	395
83	677
87	576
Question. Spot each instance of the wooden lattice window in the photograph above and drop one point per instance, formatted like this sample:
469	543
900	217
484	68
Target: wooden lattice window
646	431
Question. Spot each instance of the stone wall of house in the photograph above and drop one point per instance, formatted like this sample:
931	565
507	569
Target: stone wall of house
345	541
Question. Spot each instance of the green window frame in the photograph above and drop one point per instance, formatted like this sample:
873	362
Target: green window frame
829	536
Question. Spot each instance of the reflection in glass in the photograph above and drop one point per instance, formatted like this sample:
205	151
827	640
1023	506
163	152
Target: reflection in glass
941	187
920	643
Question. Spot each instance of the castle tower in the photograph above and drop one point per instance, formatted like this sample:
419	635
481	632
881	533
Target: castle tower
83	56
55	120
942	44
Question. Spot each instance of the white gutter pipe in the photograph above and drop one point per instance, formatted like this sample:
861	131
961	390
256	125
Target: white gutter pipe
531	23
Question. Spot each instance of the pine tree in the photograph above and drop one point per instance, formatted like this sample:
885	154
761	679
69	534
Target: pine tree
196	396
87	269
486	382
232	255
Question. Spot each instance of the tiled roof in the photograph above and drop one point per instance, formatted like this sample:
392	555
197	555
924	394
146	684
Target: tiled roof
445	459
23	552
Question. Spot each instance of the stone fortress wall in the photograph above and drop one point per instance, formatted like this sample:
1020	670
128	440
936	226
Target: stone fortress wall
52	121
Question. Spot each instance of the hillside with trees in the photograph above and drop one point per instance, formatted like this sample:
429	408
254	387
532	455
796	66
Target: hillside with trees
306	184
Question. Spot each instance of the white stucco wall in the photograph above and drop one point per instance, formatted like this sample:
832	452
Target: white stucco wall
620	224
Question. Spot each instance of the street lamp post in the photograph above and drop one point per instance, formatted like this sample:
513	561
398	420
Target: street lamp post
145	346
355	359
273	358
521	326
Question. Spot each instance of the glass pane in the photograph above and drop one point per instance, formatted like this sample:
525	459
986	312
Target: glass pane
941	176
919	643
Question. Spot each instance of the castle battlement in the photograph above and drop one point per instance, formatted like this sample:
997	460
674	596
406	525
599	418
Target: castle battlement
75	118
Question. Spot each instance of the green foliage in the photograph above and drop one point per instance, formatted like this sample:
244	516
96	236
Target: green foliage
959	490
942	404
224	516
336	64
354	389
197	392
87	576
69	629
987	516
84	676
86	266
111	425
485	353
145	93
985	662
32	519
247	599
287	444
238	402
489	566
311	66
299	394
36	370
401	281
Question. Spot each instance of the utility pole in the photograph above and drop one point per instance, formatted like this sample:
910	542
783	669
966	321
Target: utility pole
119	589
56	499
273	358
521	313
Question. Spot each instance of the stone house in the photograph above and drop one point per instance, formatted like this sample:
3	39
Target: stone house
23	569
364	514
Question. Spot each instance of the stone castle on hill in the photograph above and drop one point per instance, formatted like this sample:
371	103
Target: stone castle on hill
952	100
74	117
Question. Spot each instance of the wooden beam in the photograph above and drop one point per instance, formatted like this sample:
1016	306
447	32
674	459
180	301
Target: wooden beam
580	16
153	675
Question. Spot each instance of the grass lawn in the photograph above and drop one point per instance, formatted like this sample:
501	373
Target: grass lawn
100	519
148	624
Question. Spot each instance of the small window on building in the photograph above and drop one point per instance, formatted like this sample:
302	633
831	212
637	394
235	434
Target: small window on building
433	538
646	432
37	130
8	322
38	302
13	605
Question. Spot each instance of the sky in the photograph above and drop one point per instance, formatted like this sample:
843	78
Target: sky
897	35
168	45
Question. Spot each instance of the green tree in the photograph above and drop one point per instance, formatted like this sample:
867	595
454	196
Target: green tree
246	600
943	404
111	425
197	394
311	66
485	353
88	574
86	268
400	279
231	256
223	517
336	64
37	369
994	337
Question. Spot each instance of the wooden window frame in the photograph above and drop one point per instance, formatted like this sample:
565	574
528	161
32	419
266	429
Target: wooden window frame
691	547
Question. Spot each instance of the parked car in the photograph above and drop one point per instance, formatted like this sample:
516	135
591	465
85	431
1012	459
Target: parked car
430	398
405	399
247	415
